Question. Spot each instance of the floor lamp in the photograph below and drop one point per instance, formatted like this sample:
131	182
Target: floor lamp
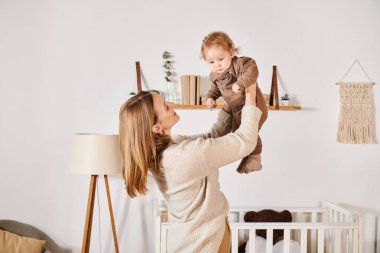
96	154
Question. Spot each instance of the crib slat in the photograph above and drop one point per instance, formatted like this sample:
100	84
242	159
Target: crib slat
157	235
329	235
163	239
287	241
313	233
303	240
349	240
252	241
241	216
338	241
313	217
321	240
269	240
234	241
345	236
360	231
356	241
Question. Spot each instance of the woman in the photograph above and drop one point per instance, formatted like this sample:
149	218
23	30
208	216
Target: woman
185	168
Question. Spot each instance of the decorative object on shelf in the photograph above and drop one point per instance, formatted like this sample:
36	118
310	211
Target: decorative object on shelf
273	97
139	86
356	122
171	94
138	76
285	100
96	154
167	65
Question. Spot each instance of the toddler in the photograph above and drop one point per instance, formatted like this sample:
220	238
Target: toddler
230	75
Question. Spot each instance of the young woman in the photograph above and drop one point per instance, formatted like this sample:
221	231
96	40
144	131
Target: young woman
185	168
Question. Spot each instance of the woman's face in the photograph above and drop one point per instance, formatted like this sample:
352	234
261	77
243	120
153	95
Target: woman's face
167	117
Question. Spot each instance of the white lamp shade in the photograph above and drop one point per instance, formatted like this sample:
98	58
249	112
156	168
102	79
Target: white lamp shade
95	154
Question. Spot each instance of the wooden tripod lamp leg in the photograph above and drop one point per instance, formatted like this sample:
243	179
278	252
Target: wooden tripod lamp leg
111	214
89	215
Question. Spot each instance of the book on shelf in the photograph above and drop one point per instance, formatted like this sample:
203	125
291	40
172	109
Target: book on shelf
191	86
185	85
193	90
198	91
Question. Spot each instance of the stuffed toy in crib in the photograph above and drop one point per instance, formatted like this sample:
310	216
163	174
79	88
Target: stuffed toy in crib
269	215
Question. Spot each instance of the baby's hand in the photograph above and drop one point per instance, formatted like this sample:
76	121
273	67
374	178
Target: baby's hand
210	103
235	88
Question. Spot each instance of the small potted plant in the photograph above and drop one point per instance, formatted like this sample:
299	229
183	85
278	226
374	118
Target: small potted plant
285	100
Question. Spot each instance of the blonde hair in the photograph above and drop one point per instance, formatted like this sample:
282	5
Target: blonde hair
141	149
220	39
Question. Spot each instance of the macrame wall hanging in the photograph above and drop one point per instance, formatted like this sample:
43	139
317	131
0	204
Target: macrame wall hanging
356	121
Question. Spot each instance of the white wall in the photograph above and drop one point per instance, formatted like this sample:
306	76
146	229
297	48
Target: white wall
67	66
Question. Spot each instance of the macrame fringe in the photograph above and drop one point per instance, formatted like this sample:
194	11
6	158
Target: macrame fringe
353	132
356	113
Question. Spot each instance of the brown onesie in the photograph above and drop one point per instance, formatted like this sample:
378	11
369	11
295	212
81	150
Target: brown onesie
244	72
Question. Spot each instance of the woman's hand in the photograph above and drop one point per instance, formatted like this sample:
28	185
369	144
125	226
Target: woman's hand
250	95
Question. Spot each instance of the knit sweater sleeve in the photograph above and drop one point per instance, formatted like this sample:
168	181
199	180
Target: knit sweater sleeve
222	126
194	159
218	152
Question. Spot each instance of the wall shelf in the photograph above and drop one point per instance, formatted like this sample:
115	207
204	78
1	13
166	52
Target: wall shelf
284	108
273	96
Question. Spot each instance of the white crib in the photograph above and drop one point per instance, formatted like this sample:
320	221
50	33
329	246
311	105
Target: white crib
326	229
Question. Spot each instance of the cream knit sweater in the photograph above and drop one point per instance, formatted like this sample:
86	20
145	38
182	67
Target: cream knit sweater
196	206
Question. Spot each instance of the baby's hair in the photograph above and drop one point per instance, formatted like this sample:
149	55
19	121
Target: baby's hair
220	39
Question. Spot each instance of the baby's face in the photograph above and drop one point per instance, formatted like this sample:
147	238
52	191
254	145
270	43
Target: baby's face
218	59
